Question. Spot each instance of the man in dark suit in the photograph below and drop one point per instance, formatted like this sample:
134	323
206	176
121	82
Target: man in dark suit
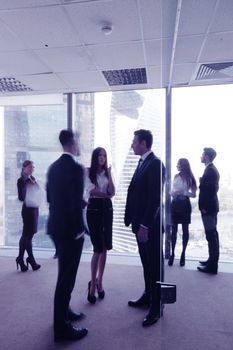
209	207
143	212
65	226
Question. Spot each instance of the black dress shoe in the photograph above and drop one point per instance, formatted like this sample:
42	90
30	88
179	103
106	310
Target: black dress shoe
150	319
207	269
70	333
75	316
142	301
171	260
203	263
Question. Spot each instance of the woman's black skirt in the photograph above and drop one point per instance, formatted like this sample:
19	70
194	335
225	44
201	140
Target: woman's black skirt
30	220
181	210
99	220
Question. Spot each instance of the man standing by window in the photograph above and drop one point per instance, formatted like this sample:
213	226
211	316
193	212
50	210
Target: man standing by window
209	207
143	212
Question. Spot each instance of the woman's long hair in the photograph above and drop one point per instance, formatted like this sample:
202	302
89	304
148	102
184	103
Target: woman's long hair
95	164
186	173
24	165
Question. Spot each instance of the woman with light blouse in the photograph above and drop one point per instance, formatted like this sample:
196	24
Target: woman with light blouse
27	185
184	187
99	218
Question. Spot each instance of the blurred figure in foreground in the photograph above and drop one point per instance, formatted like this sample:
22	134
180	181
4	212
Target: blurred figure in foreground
65	184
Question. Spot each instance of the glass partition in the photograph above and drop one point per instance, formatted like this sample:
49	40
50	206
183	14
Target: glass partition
202	117
109	120
102	119
30	132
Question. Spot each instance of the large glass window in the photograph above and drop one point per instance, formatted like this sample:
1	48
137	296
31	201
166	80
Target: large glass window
102	119
109	120
202	117
31	132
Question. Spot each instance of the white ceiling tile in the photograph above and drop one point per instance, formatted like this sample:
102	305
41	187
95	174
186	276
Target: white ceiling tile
129	87
158	18
42	81
20	62
88	19
188	48
167	51
118	56
182	73
66	59
16	4
8	40
195	16
84	80
218	47
41	26
223	20
154	76
151	14
153	52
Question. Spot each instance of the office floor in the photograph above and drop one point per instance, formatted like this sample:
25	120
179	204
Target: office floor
200	319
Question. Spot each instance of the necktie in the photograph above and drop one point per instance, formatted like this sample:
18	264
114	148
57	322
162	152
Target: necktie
139	165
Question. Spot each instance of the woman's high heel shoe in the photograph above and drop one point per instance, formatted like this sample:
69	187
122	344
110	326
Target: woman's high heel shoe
101	293
20	262
90	298
182	259
33	263
171	260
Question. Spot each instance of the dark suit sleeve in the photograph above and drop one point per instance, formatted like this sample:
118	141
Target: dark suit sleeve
127	219
154	184
21	186
209	186
76	198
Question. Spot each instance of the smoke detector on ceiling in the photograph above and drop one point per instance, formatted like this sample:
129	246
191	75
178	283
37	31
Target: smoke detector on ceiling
107	28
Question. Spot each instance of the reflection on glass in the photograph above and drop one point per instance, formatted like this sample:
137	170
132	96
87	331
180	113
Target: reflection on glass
31	132
108	120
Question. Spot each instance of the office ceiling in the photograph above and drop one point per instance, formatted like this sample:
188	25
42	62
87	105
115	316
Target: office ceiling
53	46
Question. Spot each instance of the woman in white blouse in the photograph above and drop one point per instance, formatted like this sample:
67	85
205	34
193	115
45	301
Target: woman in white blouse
99	218
184	187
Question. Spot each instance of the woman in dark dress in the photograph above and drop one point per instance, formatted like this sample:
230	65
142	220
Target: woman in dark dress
27	185
99	219
184	187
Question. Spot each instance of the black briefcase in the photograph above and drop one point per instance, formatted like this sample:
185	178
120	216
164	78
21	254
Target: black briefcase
167	292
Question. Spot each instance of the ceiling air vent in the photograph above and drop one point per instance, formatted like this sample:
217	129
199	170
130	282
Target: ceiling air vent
215	71
125	76
9	84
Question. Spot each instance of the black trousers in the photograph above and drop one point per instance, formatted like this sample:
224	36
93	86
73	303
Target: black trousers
69	253
210	226
151	254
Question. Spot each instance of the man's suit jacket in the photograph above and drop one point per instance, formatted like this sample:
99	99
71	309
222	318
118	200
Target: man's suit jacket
144	197
209	185
65	184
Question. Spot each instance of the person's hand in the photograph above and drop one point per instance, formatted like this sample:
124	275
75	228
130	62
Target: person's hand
176	193
142	234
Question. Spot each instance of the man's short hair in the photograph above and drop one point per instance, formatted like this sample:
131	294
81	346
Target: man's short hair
144	135
210	152
66	137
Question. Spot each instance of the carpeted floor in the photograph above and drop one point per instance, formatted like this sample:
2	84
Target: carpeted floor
201	319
